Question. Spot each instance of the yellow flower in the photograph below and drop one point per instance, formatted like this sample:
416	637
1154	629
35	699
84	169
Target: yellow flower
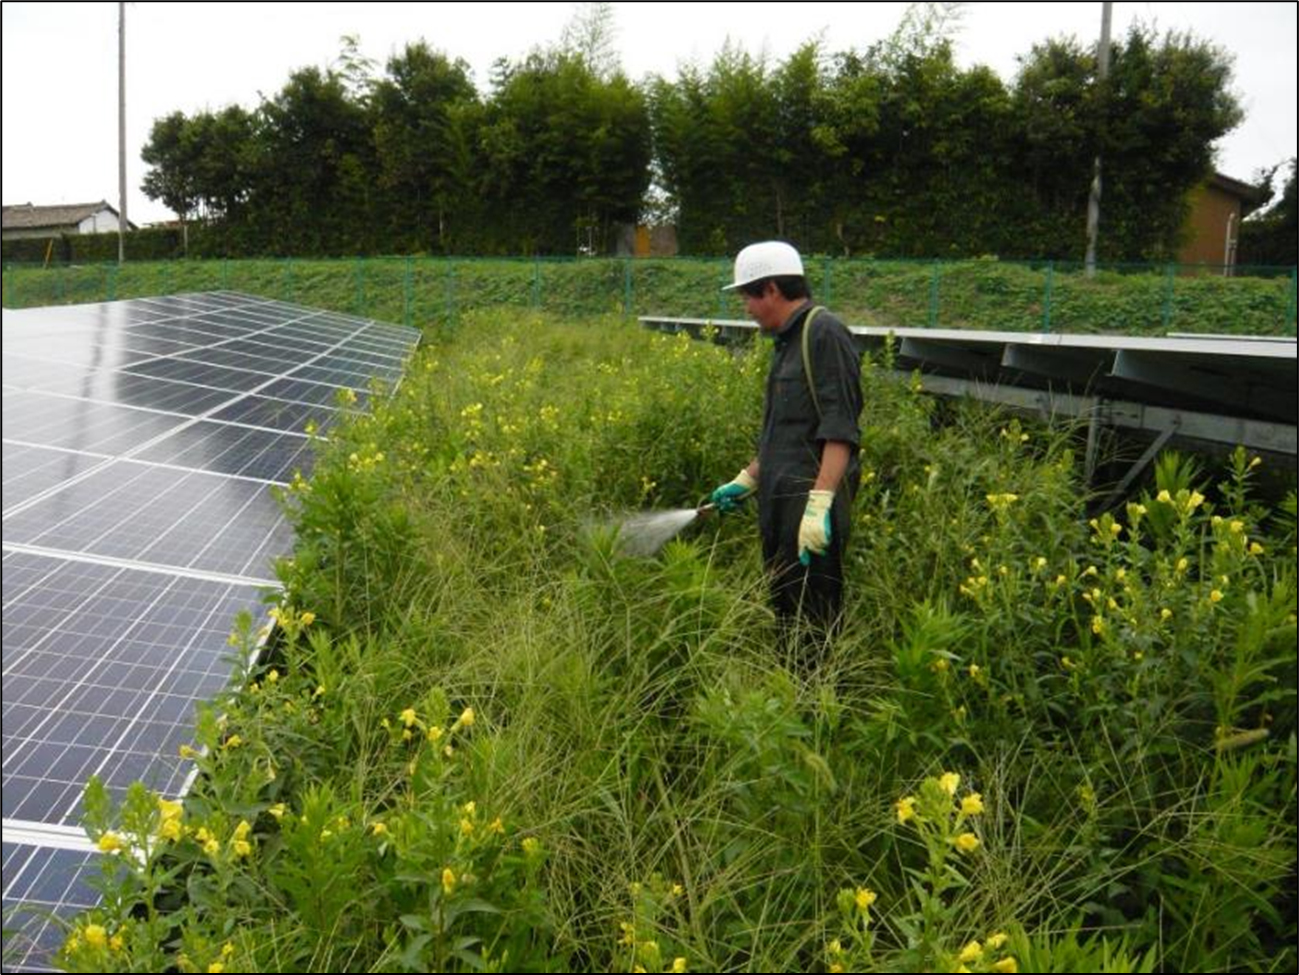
379	829
1007	964
466	719
1182	564
995	941
1237	527
1215	596
278	810
448	880
95	935
949	782
242	848
434	733
971	952
216	966
408	717
679	964
531	847
1255	548
1165	613
111	843
116	943
967	842
308	618
865	898
227	950
187	752
234	741
170	829
169	809
906	807
972	804
1165	497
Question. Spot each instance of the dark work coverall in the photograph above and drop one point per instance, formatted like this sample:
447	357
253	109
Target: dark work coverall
789	458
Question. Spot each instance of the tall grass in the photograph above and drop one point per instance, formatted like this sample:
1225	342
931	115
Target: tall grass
488	740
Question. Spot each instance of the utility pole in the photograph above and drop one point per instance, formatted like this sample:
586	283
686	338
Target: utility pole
121	132
1094	199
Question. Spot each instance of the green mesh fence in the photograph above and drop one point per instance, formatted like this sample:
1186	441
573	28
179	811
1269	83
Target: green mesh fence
434	292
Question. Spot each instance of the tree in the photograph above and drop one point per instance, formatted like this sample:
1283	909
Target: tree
589	36
170	152
564	154
314	159
1271	236
1166	101
424	118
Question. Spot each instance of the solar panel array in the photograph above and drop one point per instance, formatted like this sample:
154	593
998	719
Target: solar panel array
140	440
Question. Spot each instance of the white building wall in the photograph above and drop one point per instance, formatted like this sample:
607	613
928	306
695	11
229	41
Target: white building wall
103	222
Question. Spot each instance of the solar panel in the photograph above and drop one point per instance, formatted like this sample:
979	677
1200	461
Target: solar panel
140	440
49	882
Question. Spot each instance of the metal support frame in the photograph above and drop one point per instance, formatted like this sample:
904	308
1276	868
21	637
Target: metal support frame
1142	463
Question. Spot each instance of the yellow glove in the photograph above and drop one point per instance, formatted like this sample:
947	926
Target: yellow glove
814	529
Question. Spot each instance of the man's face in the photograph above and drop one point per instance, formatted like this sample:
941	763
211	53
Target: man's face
764	309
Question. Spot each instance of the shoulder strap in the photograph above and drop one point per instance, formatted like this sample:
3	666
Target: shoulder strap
807	358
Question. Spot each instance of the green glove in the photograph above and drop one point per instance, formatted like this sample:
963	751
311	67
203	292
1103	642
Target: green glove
814	529
730	495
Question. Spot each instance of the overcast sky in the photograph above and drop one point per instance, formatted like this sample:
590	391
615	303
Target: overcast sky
60	62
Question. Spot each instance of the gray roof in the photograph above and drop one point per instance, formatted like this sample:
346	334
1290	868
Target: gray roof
24	216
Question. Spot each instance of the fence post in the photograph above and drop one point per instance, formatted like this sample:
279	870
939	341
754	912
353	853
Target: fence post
1046	296
450	293
933	295
408	290
1290	304
1170	276
626	288
360	288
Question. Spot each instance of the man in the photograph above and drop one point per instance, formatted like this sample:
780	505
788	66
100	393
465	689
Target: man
806	472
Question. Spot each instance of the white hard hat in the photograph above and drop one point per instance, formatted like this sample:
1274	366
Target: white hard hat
766	259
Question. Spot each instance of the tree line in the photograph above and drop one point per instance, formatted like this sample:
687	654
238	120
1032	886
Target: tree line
892	151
